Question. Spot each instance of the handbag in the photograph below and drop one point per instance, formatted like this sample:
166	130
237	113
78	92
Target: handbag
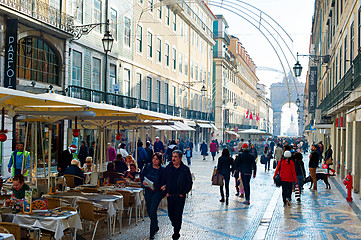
217	179
263	159
324	166
274	164
277	178
329	161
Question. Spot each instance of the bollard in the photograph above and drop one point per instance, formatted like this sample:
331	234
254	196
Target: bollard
348	183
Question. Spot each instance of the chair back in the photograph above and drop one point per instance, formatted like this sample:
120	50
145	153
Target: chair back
128	198
53	203
4	230
114	193
68	208
74	190
86	210
12	228
90	190
69	180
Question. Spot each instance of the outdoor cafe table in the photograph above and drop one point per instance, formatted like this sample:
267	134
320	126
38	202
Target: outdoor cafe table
56	224
6	236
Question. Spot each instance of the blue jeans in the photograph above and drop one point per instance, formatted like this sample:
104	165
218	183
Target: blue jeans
189	160
152	200
300	181
246	184
268	163
226	186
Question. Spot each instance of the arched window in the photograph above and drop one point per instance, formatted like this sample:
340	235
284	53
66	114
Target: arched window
37	61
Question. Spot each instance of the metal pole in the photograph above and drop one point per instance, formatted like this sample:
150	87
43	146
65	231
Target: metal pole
26	141
49	155
101	148
36	154
105	96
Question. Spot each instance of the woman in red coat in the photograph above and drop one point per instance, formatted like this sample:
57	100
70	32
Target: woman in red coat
286	169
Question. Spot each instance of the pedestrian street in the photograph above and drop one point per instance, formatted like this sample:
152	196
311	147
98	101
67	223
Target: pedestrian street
324	214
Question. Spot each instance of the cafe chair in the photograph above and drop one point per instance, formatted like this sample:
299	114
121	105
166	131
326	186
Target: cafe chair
70	180
53	203
75	190
12	228
128	202
118	211
67	208
4	230
90	190
88	213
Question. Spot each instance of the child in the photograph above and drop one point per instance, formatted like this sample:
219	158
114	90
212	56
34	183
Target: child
188	154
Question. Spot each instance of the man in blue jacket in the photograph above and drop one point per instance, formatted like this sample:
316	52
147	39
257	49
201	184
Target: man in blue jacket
141	155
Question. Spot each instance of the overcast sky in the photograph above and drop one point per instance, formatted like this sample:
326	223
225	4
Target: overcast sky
294	16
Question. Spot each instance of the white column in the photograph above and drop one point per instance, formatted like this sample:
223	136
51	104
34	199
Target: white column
356	158
142	136
349	147
342	152
337	150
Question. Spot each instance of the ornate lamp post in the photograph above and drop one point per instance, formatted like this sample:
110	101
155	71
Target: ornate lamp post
107	45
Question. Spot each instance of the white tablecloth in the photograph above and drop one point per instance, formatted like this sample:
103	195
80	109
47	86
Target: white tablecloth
5	236
54	224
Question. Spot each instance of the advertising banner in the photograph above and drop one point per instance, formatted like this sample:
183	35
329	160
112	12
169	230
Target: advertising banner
312	90
11	39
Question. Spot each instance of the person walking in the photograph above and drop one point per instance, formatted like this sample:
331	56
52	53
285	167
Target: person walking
169	152
213	149
300	168
253	151
313	164
328	159
19	161
65	158
246	164
225	167
267	153
287	172
149	153
153	172
83	153
176	182
189	155
278	152
158	145
121	150
141	155
204	149
111	153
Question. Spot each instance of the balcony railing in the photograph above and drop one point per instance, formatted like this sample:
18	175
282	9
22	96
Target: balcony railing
348	83
130	102
41	11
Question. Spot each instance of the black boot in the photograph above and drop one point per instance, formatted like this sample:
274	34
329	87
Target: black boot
222	199
226	200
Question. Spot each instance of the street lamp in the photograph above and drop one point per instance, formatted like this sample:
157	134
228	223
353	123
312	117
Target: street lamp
107	42
298	102
107	45
203	91
297	68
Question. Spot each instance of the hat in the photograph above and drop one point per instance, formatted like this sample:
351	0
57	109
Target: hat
73	147
287	154
245	145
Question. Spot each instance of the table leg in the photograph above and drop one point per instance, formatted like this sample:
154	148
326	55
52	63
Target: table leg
74	237
136	214
120	221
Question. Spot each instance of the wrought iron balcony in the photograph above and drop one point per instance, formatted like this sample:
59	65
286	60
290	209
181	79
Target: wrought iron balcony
342	90
41	11
130	102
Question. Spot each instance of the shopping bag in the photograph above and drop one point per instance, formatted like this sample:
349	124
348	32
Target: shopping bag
324	166
217	179
263	159
274	164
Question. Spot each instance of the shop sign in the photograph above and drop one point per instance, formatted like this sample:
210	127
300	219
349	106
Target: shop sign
312	86
11	39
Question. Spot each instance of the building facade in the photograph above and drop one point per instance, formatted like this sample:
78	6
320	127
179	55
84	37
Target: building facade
334	83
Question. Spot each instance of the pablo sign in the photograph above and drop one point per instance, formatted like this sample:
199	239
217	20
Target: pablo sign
11	39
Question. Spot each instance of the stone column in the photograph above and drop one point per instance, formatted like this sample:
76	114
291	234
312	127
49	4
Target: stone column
356	157
152	134
142	135
342	152
349	147
337	150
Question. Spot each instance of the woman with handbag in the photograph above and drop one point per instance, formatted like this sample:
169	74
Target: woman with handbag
225	167
286	172
328	160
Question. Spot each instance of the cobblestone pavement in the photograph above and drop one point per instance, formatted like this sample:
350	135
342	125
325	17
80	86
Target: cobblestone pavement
324	214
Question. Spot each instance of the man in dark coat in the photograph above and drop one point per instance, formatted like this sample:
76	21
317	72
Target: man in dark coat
176	182
158	145
65	159
83	153
149	153
73	169
313	164
204	150
246	164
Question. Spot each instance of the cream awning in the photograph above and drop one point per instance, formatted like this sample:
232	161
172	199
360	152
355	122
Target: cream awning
233	133
182	127
163	127
190	122
204	125
214	127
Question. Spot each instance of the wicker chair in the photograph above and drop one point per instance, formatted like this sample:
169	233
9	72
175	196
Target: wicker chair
118	212
12	228
88	213
90	190
4	230
70	180
74	190
128	202
53	203
68	208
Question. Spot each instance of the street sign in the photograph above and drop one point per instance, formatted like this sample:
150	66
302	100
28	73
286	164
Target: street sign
116	87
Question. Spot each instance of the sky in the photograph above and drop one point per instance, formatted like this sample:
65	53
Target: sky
295	17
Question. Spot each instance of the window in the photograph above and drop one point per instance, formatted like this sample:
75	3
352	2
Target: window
174	21
96	74
149	89
352	40
150	44
166	93
345	56
166	54
167	11
196	72
157	90
160	12
159	50
180	63
191	65
174	58
127	32
200	74
126	82
359	28
37	61
77	68
139	38
113	23
138	86
79	11
174	95
340	72
181	27
150	3
112	76
186	65
97	13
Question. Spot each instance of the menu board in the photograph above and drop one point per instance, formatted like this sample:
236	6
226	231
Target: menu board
28	202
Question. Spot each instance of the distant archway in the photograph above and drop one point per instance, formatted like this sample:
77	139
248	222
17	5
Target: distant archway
289	119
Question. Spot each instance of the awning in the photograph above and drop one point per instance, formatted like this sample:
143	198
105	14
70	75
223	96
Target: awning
214	127
182	127
254	132
163	127
190	123
204	125
233	133
322	126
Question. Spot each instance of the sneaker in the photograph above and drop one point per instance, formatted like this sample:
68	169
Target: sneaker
237	194
222	199
226	200
288	203
246	202
175	236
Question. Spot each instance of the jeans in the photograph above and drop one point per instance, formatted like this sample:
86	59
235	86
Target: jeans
189	161
175	211
152	200
246	184
268	163
314	178
226	185
300	181
286	191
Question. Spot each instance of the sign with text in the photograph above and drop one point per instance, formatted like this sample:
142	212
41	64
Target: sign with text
11	39
312	89
226	116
